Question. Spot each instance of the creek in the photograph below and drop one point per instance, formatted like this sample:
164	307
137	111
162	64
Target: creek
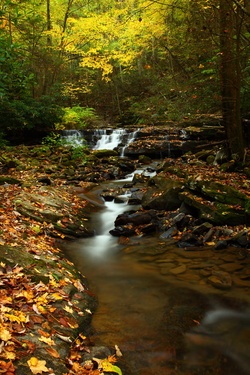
145	305
151	294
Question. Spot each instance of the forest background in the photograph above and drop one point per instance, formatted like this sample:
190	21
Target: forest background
68	63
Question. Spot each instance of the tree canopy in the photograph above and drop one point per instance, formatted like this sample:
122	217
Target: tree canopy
154	60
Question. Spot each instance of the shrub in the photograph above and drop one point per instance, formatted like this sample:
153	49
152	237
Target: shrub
77	118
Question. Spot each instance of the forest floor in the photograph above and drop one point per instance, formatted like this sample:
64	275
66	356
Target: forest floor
45	304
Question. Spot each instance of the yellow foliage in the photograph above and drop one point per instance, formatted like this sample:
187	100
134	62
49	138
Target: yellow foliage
37	366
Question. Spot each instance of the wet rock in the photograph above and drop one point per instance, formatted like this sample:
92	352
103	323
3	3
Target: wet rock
179	270
118	200
231	267
220	245
188	240
100	352
145	159
242	239
162	194
149	228
216	213
204	227
209	235
135	198
218	192
122	231
220	280
139	178
178	218
138	218
169	233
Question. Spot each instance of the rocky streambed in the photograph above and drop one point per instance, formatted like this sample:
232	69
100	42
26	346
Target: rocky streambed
194	209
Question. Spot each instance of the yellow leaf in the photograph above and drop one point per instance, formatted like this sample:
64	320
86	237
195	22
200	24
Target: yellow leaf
37	366
5	335
17	316
107	366
56	296
68	309
47	340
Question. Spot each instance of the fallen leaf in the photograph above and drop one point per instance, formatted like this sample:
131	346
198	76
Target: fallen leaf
79	286
37	366
5	334
53	352
64	338
47	340
68	309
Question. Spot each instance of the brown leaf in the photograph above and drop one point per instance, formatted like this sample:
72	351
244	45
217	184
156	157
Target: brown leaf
53	352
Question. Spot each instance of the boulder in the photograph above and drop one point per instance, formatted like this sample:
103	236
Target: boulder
138	218
218	192
218	214
46	206
162	194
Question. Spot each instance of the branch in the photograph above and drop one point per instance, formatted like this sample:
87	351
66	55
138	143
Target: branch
244	9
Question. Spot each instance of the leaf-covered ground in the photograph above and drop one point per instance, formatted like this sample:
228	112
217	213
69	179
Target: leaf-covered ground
45	305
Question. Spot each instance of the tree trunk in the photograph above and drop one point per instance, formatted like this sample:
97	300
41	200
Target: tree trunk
230	79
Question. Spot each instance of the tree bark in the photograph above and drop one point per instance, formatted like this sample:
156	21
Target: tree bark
230	78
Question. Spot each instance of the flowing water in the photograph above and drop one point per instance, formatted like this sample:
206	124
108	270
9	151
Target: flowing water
147	310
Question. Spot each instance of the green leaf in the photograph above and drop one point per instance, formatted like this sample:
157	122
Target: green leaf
109	367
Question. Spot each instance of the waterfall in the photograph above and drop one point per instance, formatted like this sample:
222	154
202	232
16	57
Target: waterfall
103	139
108	139
131	138
168	146
73	137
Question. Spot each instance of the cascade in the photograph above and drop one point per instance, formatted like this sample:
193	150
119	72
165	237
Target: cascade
108	139
131	138
103	139
73	137
168	146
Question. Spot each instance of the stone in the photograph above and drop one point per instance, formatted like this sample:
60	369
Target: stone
188	240
179	270
231	267
209	235
220	280
162	194
122	231
220	245
169	233
241	238
137	218
200	229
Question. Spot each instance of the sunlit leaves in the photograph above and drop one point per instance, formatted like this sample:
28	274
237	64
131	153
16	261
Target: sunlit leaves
37	366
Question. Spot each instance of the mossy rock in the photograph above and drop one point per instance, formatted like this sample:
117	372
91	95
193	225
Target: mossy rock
215	213
9	180
105	153
163	194
216	191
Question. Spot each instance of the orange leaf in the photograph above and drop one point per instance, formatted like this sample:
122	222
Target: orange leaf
54	353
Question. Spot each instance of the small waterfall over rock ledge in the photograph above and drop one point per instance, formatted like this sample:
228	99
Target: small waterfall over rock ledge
100	139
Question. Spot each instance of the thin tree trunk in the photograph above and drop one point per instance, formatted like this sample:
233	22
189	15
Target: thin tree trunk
230	79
